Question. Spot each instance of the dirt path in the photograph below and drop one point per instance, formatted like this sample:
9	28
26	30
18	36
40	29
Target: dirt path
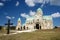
16	32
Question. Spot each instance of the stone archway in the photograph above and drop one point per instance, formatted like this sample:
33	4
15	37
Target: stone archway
37	26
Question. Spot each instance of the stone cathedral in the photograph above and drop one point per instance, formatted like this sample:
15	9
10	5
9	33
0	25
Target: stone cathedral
37	21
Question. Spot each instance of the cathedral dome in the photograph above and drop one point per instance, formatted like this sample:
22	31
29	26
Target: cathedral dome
39	9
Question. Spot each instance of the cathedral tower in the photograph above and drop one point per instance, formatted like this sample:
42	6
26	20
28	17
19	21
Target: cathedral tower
39	12
38	18
18	27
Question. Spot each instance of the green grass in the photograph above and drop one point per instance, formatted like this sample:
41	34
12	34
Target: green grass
37	35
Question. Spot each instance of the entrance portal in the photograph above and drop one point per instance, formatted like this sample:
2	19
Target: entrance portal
37	26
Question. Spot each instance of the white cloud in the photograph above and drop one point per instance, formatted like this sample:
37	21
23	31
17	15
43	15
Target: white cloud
17	3
55	2
1	4
38	1
8	17
32	3
56	15
32	13
24	15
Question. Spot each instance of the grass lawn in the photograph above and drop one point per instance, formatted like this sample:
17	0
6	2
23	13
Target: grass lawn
53	34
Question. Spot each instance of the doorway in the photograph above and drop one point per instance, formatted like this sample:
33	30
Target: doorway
37	26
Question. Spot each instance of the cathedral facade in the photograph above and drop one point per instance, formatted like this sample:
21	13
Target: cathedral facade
38	21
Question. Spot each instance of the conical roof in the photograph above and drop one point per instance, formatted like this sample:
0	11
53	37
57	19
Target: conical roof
39	9
19	19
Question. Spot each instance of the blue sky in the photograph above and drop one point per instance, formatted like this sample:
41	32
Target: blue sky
13	9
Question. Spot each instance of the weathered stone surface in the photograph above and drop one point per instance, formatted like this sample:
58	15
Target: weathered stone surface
38	21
